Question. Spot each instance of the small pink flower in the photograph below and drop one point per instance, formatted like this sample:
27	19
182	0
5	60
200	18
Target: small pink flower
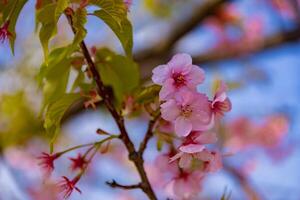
186	185
67	186
193	147
47	161
188	111
78	163
179	73
4	33
221	102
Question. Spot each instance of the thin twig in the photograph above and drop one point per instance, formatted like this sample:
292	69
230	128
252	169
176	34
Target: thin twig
114	184
132	154
247	187
148	134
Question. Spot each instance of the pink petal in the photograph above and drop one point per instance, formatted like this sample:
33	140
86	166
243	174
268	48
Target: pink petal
203	125
185	161
196	76
167	89
204	155
179	61
177	156
183	127
221	93
169	110
207	138
160	74
192	148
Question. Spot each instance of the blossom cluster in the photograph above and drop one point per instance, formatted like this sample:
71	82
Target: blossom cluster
191	115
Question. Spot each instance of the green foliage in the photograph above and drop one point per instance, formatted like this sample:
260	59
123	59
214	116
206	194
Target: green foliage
54	74
18	122
114	14
46	16
147	94
60	7
55	113
159	8
79	20
11	11
119	72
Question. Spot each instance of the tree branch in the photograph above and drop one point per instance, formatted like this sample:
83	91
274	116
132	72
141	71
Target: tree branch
181	29
266	43
249	190
132	154
114	184
148	135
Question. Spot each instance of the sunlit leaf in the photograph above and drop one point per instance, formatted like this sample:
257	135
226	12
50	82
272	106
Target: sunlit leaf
119	72
114	14
46	16
79	21
55	113
147	94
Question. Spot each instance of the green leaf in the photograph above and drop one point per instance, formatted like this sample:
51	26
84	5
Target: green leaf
55	113
54	74
114	14
79	20
60	7
119	72
46	16
147	94
11	11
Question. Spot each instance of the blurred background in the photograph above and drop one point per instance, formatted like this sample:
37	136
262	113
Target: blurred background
254	45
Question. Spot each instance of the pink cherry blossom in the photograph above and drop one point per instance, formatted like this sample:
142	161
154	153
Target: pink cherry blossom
189	111
214	164
179	73
186	185
193	147
221	102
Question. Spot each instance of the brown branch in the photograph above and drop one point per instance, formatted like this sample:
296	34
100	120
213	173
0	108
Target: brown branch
132	154
181	29
266	43
114	184
148	135
247	187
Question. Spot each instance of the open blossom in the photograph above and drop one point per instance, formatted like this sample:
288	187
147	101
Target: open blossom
186	185
177	74
221	102
47	161
78	163
67	186
193	147
4	33
188	111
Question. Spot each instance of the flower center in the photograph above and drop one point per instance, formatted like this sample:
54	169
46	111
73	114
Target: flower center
186	111
179	79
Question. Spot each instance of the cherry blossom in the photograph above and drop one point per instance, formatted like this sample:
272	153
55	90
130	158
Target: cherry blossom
67	186
221	102
186	185
47	161
193	147
179	73
78	163
189	111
